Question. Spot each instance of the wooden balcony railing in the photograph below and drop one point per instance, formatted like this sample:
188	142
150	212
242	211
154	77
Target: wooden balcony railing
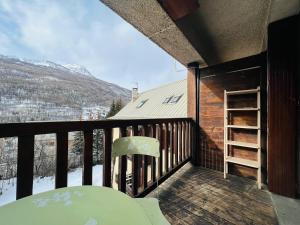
175	136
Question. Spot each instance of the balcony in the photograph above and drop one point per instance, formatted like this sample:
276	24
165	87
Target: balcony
187	194
254	47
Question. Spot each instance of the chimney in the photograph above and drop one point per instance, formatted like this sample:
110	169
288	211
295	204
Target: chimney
135	94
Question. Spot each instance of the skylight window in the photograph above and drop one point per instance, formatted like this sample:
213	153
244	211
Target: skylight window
167	100
140	105
172	99
175	99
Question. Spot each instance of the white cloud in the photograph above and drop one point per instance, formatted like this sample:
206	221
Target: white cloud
77	32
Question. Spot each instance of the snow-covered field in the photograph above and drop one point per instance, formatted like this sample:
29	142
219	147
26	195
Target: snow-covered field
47	183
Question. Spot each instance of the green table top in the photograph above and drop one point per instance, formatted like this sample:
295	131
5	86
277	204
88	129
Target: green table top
86	205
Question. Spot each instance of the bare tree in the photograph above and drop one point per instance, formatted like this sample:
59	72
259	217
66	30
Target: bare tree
44	165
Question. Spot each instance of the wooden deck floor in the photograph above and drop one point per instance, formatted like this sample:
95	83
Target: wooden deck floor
196	195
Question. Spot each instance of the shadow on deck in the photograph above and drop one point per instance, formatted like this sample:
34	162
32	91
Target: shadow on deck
195	195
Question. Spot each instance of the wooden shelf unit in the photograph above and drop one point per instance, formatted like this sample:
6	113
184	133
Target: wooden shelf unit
235	160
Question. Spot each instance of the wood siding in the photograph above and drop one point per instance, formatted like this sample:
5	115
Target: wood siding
282	76
298	111
211	149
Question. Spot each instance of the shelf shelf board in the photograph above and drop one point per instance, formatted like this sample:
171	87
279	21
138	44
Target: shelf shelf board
243	127
242	144
244	162
243	109
249	91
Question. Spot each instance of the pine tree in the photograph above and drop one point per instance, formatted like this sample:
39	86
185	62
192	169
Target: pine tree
115	107
112	110
98	146
78	142
119	106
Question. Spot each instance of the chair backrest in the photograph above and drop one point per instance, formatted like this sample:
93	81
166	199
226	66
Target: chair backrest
136	145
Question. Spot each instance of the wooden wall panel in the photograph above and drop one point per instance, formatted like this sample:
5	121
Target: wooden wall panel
298	111
282	120
242	101
243	171
244	153
243	135
242	118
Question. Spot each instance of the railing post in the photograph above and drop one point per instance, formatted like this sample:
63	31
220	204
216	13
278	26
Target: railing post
61	172
87	174
186	139
122	165
135	167
25	166
189	139
183	140
153	165
176	143
146	159
171	146
160	161
166	146
180	141
107	157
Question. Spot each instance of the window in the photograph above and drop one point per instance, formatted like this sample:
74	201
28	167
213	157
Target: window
167	100
141	103
175	99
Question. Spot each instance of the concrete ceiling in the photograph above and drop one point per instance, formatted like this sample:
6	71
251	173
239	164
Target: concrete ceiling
226	30
210	32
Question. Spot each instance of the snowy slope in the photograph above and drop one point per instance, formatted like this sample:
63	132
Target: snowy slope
46	87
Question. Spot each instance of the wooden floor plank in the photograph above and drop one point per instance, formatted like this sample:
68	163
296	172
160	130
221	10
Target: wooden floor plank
195	195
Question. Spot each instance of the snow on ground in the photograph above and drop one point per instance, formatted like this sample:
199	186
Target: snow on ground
47	183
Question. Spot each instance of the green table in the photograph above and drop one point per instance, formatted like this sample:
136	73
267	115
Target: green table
85	205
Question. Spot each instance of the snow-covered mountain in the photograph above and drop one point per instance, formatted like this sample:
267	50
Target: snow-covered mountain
32	90
73	68
78	69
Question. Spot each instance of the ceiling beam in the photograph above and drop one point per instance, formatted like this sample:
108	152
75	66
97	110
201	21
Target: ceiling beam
253	61
178	9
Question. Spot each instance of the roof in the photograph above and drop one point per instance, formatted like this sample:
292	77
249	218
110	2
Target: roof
206	31
154	106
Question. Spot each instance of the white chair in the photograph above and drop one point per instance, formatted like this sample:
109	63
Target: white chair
138	145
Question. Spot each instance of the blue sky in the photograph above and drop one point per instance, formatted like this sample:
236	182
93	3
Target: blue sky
85	33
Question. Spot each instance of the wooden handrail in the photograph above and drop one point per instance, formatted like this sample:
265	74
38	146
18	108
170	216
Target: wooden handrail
36	128
173	133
